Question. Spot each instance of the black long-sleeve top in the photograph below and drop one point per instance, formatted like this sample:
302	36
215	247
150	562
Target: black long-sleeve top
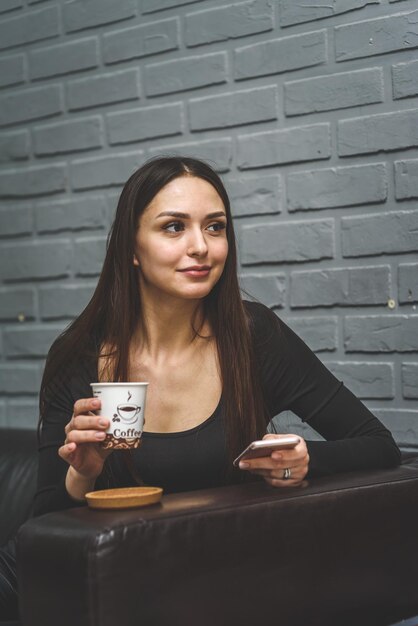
292	378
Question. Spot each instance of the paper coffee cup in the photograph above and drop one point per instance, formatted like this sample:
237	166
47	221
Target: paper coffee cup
124	405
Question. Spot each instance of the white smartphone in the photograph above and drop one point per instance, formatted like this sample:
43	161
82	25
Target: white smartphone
265	447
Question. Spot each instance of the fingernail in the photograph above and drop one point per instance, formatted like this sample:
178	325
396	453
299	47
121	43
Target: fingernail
95	403
100	435
277	456
103	422
243	465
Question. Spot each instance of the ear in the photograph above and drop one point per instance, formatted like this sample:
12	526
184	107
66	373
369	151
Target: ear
136	262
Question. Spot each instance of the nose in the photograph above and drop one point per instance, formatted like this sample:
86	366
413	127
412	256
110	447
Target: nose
197	246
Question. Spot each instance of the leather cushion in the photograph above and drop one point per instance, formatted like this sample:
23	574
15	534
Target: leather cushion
18	474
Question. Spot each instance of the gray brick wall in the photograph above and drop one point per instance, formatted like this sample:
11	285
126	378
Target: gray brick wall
308	110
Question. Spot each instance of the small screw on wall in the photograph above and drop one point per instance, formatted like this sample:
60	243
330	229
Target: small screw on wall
21	317
391	304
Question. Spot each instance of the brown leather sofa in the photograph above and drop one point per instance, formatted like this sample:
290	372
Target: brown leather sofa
343	552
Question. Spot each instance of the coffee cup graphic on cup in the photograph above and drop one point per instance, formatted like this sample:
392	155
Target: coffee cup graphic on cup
128	412
124	405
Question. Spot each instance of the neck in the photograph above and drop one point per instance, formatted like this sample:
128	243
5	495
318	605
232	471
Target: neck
167	325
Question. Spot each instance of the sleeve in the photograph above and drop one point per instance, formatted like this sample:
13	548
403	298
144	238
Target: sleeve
51	492
293	378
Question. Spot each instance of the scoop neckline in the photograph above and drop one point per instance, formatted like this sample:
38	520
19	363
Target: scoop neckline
189	431
182	433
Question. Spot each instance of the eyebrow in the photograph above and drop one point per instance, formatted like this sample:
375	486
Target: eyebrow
186	216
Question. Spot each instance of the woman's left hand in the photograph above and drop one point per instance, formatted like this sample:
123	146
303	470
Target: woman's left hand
293	463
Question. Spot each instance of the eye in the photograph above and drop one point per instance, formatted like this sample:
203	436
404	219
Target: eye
174	227
217	227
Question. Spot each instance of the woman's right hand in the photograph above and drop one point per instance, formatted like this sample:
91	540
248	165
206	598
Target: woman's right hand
82	449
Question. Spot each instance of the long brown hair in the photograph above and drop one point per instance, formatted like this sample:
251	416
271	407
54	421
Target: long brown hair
114	311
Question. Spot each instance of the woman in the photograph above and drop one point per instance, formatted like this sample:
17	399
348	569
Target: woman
167	310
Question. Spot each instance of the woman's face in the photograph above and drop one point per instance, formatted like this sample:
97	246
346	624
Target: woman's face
181	245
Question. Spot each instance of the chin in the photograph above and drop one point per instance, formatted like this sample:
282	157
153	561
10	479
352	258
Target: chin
195	292
196	295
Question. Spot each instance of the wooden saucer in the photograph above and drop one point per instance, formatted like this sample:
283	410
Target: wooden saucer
123	498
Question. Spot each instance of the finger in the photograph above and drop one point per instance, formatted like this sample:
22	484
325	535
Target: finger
262	472
269	475
299	472
262	463
85	422
66	451
291	463
276	482
285	484
295	475
85	436
84	405
292	455
89	422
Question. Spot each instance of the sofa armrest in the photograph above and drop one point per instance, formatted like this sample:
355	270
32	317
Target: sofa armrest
343	550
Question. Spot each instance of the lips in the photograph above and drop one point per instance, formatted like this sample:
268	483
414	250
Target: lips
196	268
196	271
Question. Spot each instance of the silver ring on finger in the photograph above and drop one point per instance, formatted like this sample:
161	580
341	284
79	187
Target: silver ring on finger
287	473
